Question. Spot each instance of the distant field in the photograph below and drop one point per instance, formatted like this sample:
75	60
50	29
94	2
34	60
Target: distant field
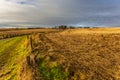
71	54
8	33
92	30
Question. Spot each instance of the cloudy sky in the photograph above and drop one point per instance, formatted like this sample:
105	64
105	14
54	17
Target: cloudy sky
34	13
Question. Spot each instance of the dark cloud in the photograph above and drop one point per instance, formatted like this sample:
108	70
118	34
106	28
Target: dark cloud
58	12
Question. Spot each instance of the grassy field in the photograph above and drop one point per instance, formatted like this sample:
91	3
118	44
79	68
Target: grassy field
8	33
83	54
71	54
12	51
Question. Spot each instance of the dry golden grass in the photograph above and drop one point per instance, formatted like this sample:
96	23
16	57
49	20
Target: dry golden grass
73	54
86	54
92	30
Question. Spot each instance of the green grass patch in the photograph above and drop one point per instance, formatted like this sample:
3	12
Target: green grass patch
12	51
51	73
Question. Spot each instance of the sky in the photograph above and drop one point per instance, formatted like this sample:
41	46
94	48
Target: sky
45	13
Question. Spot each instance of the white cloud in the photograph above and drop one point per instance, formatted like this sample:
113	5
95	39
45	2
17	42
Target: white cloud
11	11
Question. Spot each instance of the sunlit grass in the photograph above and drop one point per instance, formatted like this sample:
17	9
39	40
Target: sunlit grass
11	53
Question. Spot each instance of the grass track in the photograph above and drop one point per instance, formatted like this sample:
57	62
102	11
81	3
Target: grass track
11	53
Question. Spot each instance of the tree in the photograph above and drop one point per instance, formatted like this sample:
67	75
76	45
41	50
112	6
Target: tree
62	27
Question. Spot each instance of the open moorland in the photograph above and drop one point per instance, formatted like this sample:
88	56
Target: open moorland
71	54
